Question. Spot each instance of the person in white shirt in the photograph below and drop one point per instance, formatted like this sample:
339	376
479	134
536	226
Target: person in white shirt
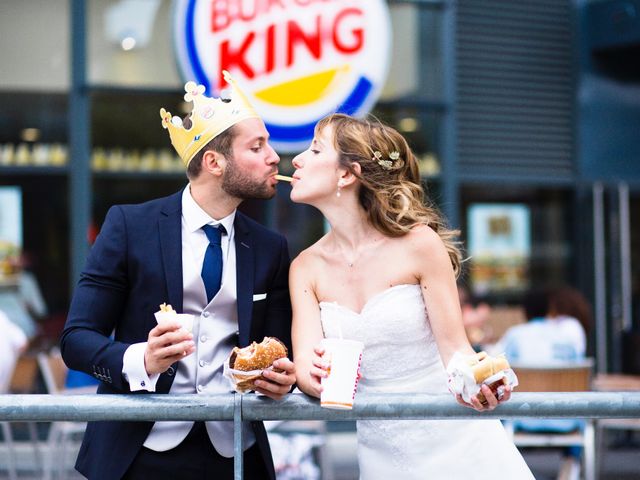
555	332
12	344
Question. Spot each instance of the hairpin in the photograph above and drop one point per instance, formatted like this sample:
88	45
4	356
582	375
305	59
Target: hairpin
388	163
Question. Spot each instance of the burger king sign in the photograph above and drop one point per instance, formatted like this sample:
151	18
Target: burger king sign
297	60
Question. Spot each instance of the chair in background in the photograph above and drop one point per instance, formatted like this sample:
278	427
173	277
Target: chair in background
575	377
501	319
54	373
23	380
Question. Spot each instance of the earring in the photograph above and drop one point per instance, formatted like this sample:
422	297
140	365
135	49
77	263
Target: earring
339	188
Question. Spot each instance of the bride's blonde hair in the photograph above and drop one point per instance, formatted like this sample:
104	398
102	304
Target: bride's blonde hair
390	187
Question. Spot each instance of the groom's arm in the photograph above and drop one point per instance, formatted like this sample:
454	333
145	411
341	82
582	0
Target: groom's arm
97	303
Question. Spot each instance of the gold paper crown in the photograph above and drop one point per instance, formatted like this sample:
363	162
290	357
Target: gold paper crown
209	118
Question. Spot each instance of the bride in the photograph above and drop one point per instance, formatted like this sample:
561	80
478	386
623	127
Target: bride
386	258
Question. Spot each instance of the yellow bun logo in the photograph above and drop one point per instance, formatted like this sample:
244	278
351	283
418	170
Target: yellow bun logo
297	60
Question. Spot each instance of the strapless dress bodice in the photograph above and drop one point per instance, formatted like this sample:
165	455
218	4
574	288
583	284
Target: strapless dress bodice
394	327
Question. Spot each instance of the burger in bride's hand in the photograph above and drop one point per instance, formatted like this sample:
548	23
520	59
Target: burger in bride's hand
480	381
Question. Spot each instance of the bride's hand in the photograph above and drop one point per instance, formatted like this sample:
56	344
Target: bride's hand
492	400
318	371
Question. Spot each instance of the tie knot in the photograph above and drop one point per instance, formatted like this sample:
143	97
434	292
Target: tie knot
214	233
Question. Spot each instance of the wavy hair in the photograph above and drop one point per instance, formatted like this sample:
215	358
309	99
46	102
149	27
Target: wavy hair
391	191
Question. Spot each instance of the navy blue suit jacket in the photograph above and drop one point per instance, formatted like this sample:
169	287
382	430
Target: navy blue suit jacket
134	266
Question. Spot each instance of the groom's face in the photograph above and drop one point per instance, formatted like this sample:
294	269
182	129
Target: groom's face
250	170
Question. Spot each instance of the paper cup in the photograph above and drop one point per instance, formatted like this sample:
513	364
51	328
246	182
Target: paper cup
184	319
339	387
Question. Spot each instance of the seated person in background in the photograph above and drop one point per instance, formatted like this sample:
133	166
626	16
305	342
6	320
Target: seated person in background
13	341
23	304
555	331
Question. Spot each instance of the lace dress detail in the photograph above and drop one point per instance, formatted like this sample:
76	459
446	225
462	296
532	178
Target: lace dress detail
394	325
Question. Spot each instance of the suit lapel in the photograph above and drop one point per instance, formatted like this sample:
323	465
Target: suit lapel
244	277
170	229
170	226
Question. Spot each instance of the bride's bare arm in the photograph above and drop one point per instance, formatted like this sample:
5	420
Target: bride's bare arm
438	285
306	331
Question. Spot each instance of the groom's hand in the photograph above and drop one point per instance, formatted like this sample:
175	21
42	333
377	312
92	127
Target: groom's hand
277	384
167	343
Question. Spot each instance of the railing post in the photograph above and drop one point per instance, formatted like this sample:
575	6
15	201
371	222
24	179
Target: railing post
238	450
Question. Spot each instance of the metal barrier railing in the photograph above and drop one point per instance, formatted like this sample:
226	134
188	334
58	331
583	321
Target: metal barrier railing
154	407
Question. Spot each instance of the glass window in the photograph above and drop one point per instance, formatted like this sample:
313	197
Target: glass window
634	213
546	238
131	44
132	157
35	45
415	70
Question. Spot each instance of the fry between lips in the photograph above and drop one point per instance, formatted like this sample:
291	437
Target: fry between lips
284	178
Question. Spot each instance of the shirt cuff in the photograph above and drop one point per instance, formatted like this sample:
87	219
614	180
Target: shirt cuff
133	369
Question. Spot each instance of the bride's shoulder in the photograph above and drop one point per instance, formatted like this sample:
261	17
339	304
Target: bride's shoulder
423	236
309	257
426	247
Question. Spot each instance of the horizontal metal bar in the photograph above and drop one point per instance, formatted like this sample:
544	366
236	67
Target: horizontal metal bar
413	406
155	407
82	408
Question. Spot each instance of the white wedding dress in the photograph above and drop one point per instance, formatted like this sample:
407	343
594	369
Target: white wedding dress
401	355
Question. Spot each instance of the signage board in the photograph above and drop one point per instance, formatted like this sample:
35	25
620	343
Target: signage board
297	60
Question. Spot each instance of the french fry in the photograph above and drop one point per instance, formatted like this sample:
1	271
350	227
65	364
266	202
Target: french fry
166	308
284	178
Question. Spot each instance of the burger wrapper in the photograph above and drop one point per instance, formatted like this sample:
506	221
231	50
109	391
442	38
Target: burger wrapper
237	378
462	381
184	319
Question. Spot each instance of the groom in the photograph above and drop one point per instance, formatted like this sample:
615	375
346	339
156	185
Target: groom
195	251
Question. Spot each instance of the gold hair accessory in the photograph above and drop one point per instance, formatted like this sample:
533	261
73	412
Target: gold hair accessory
209	117
387	164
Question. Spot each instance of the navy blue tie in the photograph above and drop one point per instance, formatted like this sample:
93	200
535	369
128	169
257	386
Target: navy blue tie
212	265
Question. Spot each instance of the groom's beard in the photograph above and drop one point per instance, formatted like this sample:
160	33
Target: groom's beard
239	183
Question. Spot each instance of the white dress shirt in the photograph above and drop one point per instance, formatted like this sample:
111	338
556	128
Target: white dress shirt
215	330
12	342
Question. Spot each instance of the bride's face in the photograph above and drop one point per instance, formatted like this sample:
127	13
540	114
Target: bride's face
316	175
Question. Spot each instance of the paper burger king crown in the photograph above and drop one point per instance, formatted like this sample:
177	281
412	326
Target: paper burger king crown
209	117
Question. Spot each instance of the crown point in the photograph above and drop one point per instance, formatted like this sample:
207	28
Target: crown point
166	118
193	90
